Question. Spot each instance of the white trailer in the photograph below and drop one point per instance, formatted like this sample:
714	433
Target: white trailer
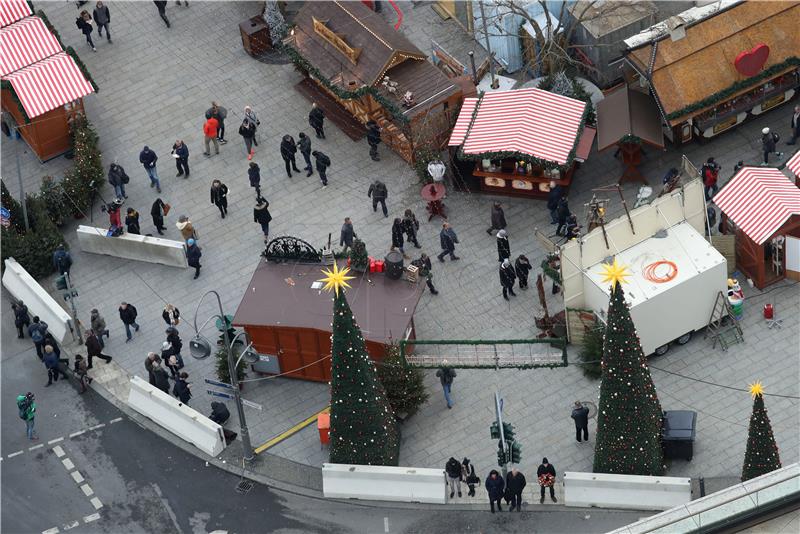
675	278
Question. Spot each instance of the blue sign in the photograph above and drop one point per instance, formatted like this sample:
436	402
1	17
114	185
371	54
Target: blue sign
5	217
218	384
219	394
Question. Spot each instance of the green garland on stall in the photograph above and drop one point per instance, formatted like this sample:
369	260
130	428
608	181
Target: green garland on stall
50	27
630	139
82	67
303	64
734	88
6	85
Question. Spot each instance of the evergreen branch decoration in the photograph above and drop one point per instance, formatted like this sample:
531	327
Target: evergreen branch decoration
551	273
74	55
50	27
8	86
630	139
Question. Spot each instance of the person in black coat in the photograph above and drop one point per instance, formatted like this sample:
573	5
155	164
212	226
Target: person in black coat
157	212
498	218
219	413
562	212
503	246
515	483
118	178
468	474
161	5
171	315
219	196
448	240
84	24
507	278
546	474
378	192
522	267
553	196
373	139
262	216
304	144
423	263
193	253
397	236
494	487
182	388
21	318
346	235
160	377
795	125
410	227
288	150
453	470
127	314
174	339
316	119
254	175
94	349
132	221
102	17
323	162
182	160
580	414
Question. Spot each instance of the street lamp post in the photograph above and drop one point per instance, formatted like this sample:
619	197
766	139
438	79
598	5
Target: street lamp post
201	346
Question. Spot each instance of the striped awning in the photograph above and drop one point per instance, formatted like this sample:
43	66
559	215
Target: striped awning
534	122
759	200
24	43
462	124
794	164
13	10
48	84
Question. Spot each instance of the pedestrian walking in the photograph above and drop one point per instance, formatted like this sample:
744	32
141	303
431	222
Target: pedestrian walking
102	17
254	175
498	218
423	263
453	470
53	365
160	376
127	314
769	142
174	339
495	487
182	388
98	324
185	2
580	414
448	240
515	483
573	228
546	474
373	139
323	162
346	235
37	331
168	359
446	374
22	319
115	223
507	278
248	132
82	372
132	221
250	117
50	340
219	197
795	125
288	150
305	149
161	5
468	474
181	154
158	211
94	349
379	192
118	178
262	216
193	254
710	173
411	226
210	131
316	119
397	236
220	114
27	412
562	213
171	315
186	228
148	366
553	196
503	246
148	159
84	24
62	261
522	267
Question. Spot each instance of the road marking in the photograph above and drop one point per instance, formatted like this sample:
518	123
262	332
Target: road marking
58	450
96	503
87	490
292	431
53	530
55	440
95	427
68	464
70	525
39	446
93	517
15	454
386	524
75	434
77	477
117	420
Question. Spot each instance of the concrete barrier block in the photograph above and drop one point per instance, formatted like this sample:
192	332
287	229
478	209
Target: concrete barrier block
383	483
133	247
23	287
631	492
183	421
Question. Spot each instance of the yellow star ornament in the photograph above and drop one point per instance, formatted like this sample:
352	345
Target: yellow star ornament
614	272
336	278
756	389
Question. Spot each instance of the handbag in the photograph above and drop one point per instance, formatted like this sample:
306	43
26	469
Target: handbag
167	207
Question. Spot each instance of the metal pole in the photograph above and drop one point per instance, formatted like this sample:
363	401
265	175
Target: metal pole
474	70
19	177
72	306
498	410
488	47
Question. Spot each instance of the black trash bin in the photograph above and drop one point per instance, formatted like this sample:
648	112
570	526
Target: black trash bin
678	433
394	265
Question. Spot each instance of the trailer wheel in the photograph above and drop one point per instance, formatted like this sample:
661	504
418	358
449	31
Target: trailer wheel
684	339
662	350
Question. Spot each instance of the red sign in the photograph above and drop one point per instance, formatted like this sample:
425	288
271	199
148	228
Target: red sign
750	62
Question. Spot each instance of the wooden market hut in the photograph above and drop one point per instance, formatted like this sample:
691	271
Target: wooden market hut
42	85
353	60
521	140
710	75
288	316
793	164
764	205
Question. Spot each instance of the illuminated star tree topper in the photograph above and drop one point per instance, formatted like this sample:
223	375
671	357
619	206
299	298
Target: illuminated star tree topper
336	278
615	273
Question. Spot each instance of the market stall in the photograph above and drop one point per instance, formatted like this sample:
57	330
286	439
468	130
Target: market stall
793	164
521	140
764	206
709	76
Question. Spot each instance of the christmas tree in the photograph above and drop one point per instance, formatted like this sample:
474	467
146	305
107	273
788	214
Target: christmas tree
761	455
363	427
629	416
404	385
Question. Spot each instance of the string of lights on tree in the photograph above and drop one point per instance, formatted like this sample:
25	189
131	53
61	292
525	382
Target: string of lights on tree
761	455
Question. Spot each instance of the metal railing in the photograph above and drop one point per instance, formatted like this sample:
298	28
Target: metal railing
486	354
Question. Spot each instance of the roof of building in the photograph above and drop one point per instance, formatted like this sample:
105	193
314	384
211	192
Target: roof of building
13	10
793	164
424	80
603	17
24	42
281	295
701	64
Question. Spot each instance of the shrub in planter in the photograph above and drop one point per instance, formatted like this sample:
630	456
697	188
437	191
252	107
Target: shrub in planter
404	385
33	249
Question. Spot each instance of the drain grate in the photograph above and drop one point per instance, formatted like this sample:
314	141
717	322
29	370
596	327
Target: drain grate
244	487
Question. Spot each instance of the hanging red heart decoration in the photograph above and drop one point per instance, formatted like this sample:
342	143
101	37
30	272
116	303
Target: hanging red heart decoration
750	62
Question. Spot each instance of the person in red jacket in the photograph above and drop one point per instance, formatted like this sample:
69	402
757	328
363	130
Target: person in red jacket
210	135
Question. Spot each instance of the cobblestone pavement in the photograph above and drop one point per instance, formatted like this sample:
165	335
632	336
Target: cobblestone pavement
155	85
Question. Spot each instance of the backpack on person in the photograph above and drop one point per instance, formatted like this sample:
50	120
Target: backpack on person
36	335
325	160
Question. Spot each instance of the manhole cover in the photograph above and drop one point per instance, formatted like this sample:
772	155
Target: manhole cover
244	487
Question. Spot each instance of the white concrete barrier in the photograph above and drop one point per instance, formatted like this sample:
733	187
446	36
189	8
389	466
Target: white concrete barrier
172	414
23	287
631	492
383	483
133	247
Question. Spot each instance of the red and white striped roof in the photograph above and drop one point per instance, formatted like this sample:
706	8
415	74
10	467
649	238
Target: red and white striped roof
48	84
13	10
759	200
462	124
794	164
25	42
532	121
